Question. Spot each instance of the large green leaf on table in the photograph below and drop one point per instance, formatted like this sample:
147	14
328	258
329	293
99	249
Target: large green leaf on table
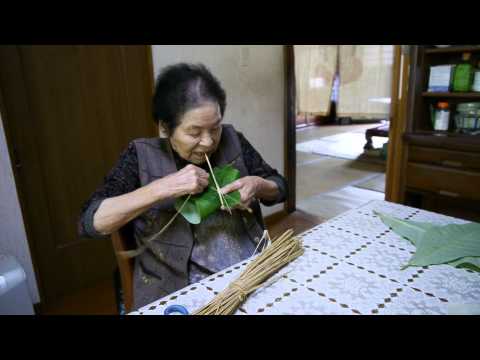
470	263
444	244
200	206
411	230
455	245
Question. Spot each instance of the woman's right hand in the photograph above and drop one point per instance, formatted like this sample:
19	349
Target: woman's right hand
115	212
190	180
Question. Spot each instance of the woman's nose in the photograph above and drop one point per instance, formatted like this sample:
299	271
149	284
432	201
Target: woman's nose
206	141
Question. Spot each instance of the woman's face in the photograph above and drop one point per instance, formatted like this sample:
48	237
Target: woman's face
198	133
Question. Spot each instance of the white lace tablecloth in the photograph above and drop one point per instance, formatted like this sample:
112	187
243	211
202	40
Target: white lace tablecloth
351	266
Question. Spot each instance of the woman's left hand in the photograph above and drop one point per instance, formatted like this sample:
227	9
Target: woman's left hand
249	187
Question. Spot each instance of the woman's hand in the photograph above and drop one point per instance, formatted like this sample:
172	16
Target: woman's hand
115	212
190	180
251	187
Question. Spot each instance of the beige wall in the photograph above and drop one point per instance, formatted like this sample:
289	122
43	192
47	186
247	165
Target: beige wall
254	79
13	239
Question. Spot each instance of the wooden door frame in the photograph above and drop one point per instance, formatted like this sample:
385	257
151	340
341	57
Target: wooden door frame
397	149
151	66
290	129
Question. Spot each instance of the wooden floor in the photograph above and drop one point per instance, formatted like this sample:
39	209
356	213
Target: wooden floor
100	299
300	221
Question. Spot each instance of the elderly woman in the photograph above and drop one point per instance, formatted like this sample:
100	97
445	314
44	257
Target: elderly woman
188	105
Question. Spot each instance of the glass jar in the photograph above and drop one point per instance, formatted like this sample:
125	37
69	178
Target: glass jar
467	118
441	117
476	79
476	82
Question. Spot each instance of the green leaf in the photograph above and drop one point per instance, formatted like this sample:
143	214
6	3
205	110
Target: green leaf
413	231
201	206
189	211
470	263
444	244
208	203
456	245
233	198
225	175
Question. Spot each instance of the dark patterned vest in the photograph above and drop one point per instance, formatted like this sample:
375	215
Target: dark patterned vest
163	268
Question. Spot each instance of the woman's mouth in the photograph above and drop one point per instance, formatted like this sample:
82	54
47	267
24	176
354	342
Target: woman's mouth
202	153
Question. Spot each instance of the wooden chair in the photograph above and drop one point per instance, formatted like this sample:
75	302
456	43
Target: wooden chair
123	240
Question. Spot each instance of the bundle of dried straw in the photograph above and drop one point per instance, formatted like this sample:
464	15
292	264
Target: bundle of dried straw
279	253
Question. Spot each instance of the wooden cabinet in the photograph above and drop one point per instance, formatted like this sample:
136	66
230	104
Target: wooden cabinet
443	181
460	160
443	168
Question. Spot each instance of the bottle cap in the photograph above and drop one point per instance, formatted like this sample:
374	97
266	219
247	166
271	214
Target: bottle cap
443	105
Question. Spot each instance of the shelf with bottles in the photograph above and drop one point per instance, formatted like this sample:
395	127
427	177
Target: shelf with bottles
456	77
451	58
451	103
443	115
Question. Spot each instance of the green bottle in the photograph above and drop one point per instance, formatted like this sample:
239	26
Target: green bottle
463	78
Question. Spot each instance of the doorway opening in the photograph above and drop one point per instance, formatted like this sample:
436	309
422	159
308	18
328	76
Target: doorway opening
342	112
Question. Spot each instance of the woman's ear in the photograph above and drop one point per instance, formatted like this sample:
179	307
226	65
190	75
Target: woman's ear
162	131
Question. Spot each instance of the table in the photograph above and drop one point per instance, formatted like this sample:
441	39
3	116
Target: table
351	266
380	131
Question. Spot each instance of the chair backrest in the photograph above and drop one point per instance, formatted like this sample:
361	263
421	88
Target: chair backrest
123	240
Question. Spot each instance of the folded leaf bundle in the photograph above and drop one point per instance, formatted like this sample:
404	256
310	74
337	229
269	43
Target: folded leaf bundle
201	206
282	251
455	245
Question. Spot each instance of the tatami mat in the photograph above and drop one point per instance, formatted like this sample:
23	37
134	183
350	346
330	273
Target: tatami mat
332	204
345	146
375	184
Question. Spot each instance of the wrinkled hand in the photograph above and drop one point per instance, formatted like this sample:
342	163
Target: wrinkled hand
190	180
248	187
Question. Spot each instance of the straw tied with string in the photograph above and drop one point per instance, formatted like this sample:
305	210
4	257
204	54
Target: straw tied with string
280	252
